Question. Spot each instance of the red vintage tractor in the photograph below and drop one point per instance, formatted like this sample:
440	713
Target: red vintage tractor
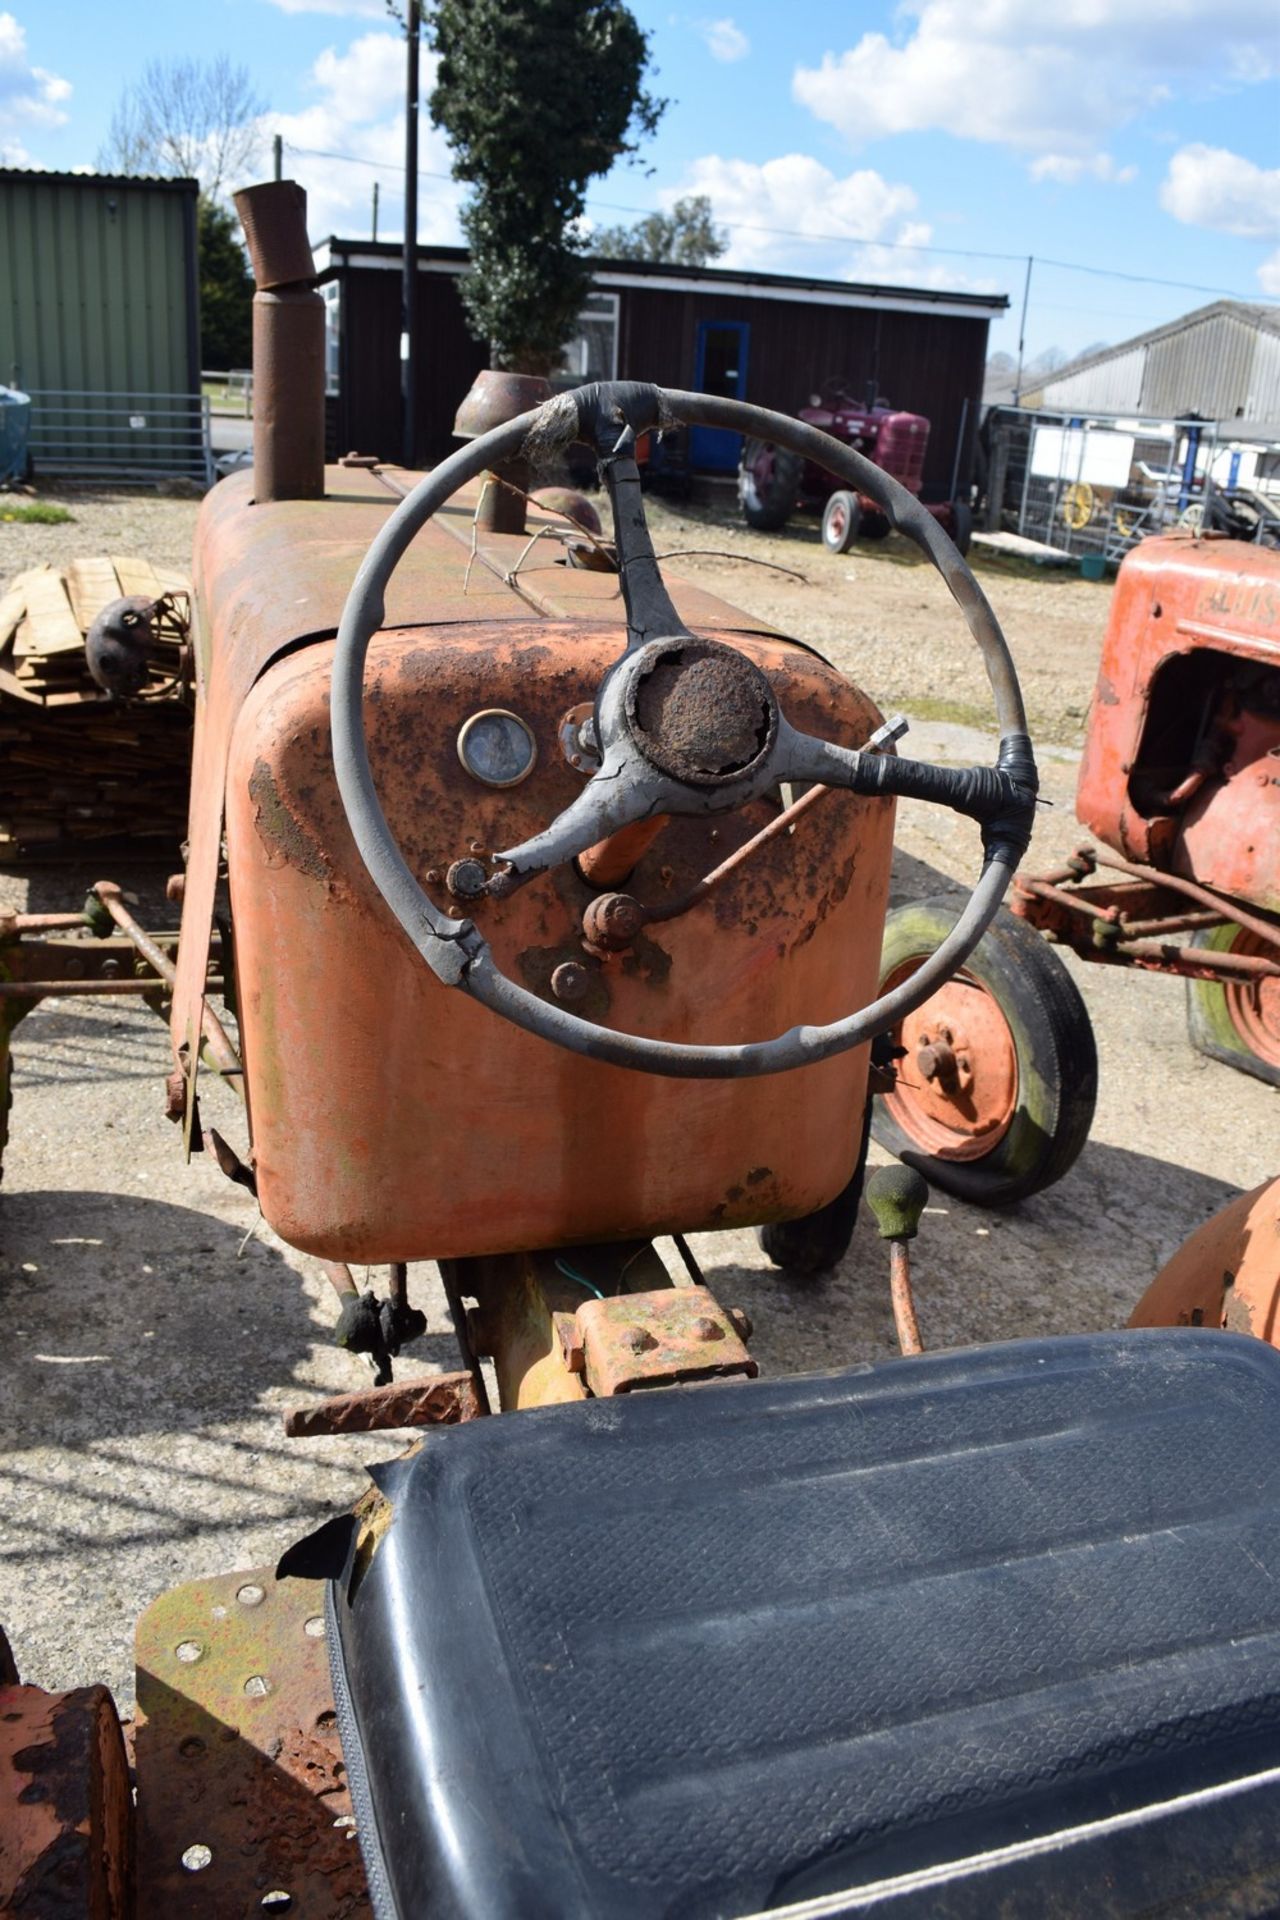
773	480
535	957
1180	781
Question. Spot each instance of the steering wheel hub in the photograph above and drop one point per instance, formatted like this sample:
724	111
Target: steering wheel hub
700	712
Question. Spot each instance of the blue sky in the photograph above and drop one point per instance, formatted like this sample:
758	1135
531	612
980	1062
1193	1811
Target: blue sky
1132	137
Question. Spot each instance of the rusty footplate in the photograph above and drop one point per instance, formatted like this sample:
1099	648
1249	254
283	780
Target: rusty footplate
243	1804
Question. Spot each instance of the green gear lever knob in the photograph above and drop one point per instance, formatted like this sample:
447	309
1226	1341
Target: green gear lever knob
897	1196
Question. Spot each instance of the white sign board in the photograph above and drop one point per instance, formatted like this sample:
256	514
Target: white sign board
1099	456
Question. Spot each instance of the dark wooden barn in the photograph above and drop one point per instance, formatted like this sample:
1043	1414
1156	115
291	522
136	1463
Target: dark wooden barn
764	337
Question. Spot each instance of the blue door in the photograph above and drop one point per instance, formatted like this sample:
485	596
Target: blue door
721	369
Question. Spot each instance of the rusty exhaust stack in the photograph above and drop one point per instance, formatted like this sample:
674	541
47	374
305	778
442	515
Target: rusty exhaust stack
288	344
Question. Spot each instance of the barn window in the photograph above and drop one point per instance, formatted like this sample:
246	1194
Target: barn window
591	353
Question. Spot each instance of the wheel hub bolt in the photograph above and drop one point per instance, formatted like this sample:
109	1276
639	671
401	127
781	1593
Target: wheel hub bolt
936	1061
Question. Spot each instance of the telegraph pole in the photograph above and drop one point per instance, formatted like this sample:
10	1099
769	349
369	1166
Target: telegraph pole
277	153
409	295
375	210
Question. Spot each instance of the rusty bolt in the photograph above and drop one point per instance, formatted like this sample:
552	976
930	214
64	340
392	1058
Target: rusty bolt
936	1062
638	1340
707	1329
175	1095
612	921
109	970
466	879
433	876
569	982
175	887
740	1320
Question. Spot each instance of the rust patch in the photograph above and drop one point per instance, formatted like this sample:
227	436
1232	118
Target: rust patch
537	964
287	841
647	961
66	1804
1237	1315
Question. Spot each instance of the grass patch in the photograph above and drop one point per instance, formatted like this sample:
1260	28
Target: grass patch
959	713
34	513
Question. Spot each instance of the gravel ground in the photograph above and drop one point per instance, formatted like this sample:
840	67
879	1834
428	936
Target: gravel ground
884	616
103	520
155	1328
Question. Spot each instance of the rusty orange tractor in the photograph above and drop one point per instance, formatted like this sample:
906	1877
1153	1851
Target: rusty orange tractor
549	918
1180	781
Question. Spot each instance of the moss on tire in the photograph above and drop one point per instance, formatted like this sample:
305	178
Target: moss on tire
1211	1027
1057	1058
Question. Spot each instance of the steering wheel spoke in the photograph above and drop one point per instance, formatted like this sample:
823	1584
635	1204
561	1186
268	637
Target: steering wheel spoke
622	790
1001	798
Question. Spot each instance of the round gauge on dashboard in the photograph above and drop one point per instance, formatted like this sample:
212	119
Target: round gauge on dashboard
497	747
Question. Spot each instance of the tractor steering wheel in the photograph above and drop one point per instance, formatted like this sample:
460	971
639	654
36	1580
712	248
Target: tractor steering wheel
683	726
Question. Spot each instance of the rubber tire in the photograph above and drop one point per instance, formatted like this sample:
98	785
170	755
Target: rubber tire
1210	1028
961	526
1053	1038
838	538
768	511
875	526
817	1242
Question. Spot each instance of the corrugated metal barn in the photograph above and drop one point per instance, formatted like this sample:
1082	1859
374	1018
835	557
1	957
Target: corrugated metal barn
99	319
1221	362
767	338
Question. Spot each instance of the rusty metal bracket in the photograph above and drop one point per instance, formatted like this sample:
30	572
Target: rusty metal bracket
660	1339
445	1400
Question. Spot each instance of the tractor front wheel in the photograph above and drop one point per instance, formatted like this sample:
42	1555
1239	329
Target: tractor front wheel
998	1077
768	482
841	518
1237	1021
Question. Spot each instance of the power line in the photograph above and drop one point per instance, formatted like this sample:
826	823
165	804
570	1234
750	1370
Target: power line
848	239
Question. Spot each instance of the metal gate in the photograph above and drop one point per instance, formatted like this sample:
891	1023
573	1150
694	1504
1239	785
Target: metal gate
121	436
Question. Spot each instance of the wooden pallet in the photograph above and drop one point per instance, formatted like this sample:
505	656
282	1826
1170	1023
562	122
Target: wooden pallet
74	763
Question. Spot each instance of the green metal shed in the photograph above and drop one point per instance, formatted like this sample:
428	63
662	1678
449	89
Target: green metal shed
99	321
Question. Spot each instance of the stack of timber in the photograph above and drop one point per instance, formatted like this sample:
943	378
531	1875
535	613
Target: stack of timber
76	764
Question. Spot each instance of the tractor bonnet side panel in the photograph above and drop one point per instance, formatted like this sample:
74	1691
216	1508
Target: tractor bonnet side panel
1188	691
394	1118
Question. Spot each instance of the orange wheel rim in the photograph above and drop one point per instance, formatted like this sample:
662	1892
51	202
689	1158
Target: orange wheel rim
957	1086
1254	1005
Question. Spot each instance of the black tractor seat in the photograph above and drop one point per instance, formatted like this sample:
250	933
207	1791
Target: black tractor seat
984	1632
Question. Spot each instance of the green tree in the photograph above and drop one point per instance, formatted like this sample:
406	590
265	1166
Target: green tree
687	236
226	290
537	98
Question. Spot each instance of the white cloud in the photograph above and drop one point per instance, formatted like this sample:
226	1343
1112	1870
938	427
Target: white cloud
1269	275
359	113
1212	187
1048	80
1069	168
29	96
725	39
362	9
793	215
